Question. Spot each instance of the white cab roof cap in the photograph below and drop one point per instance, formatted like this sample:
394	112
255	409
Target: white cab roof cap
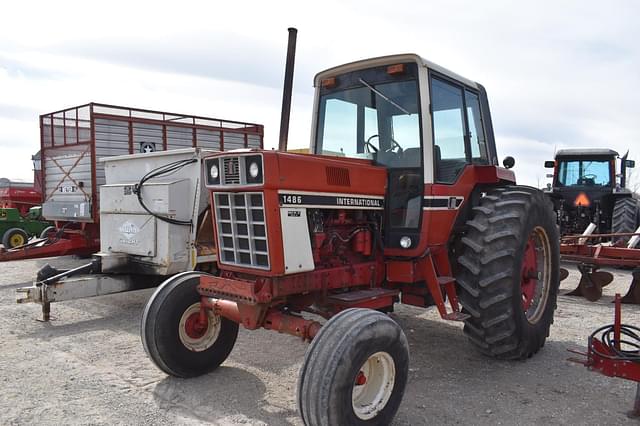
389	60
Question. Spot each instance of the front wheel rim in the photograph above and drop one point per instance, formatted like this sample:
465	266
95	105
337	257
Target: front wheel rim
535	276
373	385
195	336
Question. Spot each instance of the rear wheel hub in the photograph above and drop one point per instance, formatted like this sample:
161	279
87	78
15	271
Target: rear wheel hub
535	275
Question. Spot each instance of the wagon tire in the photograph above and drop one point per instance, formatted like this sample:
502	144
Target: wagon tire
170	335
14	237
355	371
46	231
508	272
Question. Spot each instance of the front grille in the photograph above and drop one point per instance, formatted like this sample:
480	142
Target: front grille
242	229
231	170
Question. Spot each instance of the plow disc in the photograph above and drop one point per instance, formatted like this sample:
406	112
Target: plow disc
591	283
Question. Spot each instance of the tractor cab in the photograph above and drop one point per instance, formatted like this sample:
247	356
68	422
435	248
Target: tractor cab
422	123
586	187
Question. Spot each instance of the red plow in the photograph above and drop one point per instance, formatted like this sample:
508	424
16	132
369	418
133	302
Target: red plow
591	257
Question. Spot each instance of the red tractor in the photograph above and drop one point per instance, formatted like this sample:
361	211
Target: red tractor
402	200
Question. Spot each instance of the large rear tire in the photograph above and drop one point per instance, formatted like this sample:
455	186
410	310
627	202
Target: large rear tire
354	371
625	218
172	336
508	272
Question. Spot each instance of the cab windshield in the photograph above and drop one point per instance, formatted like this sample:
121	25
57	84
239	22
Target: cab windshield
584	173
371	114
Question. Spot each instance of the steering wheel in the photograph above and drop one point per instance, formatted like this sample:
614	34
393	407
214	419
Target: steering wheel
369	145
395	144
372	148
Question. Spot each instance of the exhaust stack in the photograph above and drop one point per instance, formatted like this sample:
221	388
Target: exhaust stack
287	91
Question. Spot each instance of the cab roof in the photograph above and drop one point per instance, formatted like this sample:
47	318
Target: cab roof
586	152
389	60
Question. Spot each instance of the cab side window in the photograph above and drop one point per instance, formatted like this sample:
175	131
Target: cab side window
479	154
458	130
447	106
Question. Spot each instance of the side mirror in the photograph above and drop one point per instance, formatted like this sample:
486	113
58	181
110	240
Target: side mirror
549	164
630	164
508	162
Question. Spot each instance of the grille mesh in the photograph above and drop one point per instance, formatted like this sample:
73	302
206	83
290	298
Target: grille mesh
242	229
231	170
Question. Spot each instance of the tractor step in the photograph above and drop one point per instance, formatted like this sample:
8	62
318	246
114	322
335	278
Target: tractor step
364	297
456	316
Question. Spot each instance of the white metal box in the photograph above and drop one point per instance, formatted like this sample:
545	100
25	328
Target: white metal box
149	244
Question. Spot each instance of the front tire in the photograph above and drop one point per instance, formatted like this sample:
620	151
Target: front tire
508	272
172	336
355	371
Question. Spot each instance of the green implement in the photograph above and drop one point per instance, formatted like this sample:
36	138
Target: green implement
15	230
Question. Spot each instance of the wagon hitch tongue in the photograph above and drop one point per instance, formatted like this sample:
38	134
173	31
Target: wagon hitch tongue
53	285
47	275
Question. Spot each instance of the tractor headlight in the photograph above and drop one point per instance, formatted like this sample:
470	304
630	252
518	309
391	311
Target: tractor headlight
212	171
254	170
405	242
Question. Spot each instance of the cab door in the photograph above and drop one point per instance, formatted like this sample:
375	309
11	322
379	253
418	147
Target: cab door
458	132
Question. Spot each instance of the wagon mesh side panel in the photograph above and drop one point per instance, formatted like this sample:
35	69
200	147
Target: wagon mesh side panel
254	141
208	139
233	140
179	137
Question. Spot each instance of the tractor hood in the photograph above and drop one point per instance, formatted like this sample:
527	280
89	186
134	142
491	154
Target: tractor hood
297	172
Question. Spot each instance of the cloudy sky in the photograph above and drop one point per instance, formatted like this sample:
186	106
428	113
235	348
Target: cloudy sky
558	73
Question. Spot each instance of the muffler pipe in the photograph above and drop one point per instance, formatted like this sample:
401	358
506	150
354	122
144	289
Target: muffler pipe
288	89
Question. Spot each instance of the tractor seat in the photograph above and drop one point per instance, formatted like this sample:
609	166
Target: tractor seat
447	170
412	157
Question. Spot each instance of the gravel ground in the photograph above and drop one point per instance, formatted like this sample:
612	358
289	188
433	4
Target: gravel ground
88	366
